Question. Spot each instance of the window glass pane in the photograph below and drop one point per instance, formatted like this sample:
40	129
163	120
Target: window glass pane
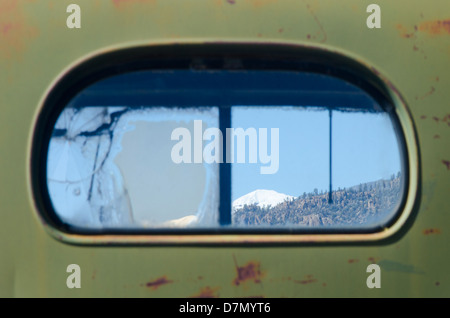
294	189
111	167
189	149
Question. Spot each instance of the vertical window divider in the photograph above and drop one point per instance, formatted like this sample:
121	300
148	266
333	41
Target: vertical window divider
225	167
330	196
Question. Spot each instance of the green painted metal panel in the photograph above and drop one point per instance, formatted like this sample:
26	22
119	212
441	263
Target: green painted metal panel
411	51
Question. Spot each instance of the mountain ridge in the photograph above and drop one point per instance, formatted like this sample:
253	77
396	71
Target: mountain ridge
364	204
261	198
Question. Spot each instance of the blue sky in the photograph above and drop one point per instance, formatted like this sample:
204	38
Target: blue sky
364	149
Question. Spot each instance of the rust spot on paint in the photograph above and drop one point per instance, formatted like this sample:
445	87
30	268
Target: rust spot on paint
319	24
207	292
280	30
437	283
404	33
408	33
200	277
250	271
231	1
309	279
446	117
373	260
5	28
158	283
423	117
324	284
308	36
431	231
437	27
446	163
351	261
436	119
94	273
431	91
16	32
436	136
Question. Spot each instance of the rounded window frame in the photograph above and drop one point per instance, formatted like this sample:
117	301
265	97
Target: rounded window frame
223	56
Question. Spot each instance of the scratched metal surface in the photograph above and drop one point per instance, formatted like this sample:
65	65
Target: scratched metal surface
411	50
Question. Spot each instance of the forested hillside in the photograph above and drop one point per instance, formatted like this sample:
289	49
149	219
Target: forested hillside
363	204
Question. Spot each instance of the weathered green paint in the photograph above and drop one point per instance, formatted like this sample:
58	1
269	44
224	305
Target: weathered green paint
411	51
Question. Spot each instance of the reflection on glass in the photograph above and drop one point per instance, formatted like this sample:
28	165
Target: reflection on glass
365	161
111	167
303	150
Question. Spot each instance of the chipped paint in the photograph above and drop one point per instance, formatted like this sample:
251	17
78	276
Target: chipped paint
404	33
207	292
351	261
16	32
408	33
155	284
319	24
5	28
446	163
431	231
306	281
249	272
309	279
437	27
432	28
428	93
444	119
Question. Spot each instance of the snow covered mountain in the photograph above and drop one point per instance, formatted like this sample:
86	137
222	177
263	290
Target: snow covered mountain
182	222
262	198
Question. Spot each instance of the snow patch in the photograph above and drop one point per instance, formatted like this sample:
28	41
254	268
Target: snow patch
261	198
